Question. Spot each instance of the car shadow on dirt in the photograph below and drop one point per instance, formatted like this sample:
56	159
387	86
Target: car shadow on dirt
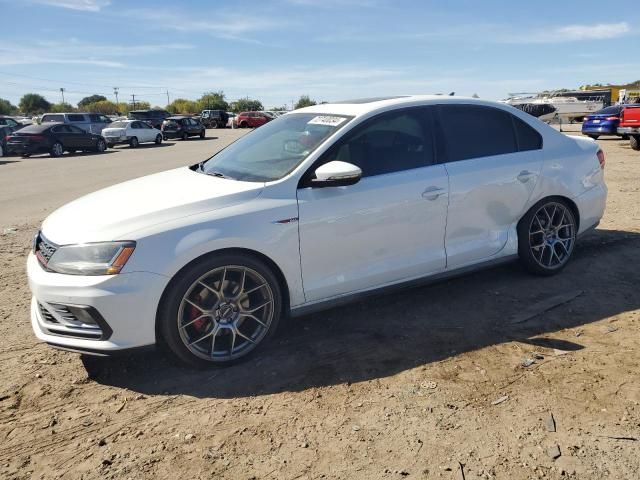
387	334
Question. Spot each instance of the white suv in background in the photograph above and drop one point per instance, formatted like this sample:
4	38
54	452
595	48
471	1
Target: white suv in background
319	206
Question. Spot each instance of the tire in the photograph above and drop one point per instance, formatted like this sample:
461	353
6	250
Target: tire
184	136
190	300
543	248
624	137
158	139
634	141
101	146
110	145
133	142
203	133
243	125
213	125
595	137
1	151
57	150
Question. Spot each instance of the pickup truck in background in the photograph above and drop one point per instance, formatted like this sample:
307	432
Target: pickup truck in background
630	125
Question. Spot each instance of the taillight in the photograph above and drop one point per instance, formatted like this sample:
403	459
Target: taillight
8	138
611	118
601	159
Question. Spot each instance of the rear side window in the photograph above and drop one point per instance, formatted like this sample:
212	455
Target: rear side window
75	118
528	137
473	131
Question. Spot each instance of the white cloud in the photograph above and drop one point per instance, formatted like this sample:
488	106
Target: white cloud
571	33
82	5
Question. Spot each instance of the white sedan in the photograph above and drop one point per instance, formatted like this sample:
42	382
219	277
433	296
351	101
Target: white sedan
131	132
319	206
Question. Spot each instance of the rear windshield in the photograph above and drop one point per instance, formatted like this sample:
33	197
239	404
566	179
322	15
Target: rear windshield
119	125
614	110
139	115
52	118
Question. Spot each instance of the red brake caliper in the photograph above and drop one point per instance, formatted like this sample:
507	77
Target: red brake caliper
199	325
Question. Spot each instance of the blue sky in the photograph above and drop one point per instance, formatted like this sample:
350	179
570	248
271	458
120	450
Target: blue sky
329	49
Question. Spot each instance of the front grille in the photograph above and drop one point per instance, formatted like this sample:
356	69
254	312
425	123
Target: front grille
44	249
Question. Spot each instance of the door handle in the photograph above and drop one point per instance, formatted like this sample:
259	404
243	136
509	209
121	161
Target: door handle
432	193
525	175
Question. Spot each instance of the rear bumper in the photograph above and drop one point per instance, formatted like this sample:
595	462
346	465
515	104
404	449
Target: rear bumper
117	140
628	130
171	134
591	205
20	149
599	129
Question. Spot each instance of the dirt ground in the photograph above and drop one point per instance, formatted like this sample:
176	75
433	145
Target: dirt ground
428	383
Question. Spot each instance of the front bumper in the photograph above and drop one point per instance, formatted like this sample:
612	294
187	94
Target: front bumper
628	130
126	303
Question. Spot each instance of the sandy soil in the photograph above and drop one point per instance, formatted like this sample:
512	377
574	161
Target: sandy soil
429	383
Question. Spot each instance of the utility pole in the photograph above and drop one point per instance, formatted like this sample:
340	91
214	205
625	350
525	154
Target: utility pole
133	100
62	92
115	92
168	102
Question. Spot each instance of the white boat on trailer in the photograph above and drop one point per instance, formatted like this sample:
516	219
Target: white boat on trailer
567	108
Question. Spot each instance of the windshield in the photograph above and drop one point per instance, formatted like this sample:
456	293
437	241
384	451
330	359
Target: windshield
275	149
118	125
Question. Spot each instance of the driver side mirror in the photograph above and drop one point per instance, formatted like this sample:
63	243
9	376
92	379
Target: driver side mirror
336	174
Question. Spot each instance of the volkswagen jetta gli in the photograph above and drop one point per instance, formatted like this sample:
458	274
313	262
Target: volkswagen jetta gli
316	207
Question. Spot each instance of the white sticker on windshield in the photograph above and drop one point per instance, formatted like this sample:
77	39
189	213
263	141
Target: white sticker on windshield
327	120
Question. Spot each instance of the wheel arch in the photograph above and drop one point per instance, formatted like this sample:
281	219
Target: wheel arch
276	270
572	205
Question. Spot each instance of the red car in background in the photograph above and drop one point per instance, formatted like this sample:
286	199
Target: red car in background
630	124
252	119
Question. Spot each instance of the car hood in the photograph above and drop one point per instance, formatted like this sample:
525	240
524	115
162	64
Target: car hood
114	213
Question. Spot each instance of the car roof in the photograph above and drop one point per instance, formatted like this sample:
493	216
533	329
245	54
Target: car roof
364	106
37	128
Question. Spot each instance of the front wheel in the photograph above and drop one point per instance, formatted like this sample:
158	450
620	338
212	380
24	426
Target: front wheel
184	136
101	146
133	143
203	133
220	310
57	150
547	237
595	137
634	141
158	139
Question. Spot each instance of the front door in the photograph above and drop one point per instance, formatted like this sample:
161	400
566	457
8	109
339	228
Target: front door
493	161
390	225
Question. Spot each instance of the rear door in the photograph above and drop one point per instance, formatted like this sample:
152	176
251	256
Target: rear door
80	137
493	160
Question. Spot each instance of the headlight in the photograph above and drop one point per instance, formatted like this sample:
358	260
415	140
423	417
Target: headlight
91	258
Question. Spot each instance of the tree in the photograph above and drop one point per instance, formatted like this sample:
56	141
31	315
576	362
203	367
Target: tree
246	105
61	107
304	101
105	107
279	109
184	106
6	108
32	103
92	99
212	101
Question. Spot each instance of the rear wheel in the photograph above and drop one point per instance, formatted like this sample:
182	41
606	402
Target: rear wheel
184	136
57	150
133	143
595	137
243	125
547	236
1	151
203	133
220	310
101	146
625	137
158	139
213	124
110	145
634	141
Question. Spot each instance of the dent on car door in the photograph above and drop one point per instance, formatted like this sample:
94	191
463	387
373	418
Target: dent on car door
493	160
387	227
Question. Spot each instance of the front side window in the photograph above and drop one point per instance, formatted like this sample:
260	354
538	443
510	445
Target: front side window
391	142
474	131
275	149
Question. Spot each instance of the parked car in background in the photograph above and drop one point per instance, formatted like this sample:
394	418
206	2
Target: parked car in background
54	138
252	119
5	131
214	118
630	124
131	132
354	198
231	123
10	122
24	120
182	126
154	117
89	122
602	122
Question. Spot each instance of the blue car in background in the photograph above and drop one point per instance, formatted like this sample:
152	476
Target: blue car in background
602	122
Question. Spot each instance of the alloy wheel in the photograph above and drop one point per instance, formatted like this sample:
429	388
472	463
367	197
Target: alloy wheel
552	235
57	149
225	313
